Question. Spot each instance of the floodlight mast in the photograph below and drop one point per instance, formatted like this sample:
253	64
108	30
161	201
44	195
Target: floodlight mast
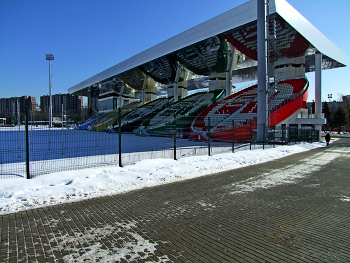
329	97
50	57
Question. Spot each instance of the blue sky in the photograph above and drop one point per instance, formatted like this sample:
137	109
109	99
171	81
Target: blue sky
89	36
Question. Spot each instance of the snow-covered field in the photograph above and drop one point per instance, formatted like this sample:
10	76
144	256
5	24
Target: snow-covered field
62	149
55	188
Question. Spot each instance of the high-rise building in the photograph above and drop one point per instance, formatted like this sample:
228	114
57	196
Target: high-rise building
44	103
69	102
10	106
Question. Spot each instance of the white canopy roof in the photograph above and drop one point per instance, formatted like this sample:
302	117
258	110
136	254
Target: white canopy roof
332	56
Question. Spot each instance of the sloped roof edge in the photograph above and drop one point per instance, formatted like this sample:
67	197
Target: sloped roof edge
310	32
235	17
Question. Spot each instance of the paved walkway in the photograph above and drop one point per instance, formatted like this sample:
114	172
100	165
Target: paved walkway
243	215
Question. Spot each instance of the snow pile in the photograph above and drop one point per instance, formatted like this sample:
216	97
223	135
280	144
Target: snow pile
21	194
345	198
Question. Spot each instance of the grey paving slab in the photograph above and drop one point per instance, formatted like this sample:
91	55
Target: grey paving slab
234	216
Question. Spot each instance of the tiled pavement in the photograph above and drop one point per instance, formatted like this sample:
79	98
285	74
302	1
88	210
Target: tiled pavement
214	218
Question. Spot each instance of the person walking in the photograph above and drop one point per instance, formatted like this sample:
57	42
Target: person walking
328	138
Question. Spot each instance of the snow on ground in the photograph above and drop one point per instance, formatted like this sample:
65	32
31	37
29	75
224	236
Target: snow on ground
55	188
288	175
137	249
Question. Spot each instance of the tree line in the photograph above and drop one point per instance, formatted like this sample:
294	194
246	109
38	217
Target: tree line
337	114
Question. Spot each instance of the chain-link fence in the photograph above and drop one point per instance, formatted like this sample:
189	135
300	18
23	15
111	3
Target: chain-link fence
30	150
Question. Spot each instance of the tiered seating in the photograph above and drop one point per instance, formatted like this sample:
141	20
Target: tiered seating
281	97
255	108
90	120
133	120
229	108
242	106
243	115
298	84
184	110
111	117
144	110
106	119
180	108
226	108
200	123
249	107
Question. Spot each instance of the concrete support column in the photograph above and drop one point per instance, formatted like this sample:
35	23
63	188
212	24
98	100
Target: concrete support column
120	101
175	92
175	82
261	31
228	83
121	95
143	90
318	89
228	72
318	83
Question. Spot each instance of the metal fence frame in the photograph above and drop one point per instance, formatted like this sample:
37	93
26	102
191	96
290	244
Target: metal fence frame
29	151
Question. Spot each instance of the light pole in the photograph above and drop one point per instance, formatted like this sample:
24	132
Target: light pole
50	57
329	97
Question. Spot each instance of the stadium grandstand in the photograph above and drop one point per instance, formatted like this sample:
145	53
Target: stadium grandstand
264	41
109	118
134	119
241	107
183	112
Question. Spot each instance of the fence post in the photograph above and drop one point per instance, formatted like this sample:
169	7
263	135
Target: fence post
301	137
250	137
310	134
27	142
120	135
233	136
289	138
264	136
175	137
297	136
62	129
19	131
208	136
274	135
